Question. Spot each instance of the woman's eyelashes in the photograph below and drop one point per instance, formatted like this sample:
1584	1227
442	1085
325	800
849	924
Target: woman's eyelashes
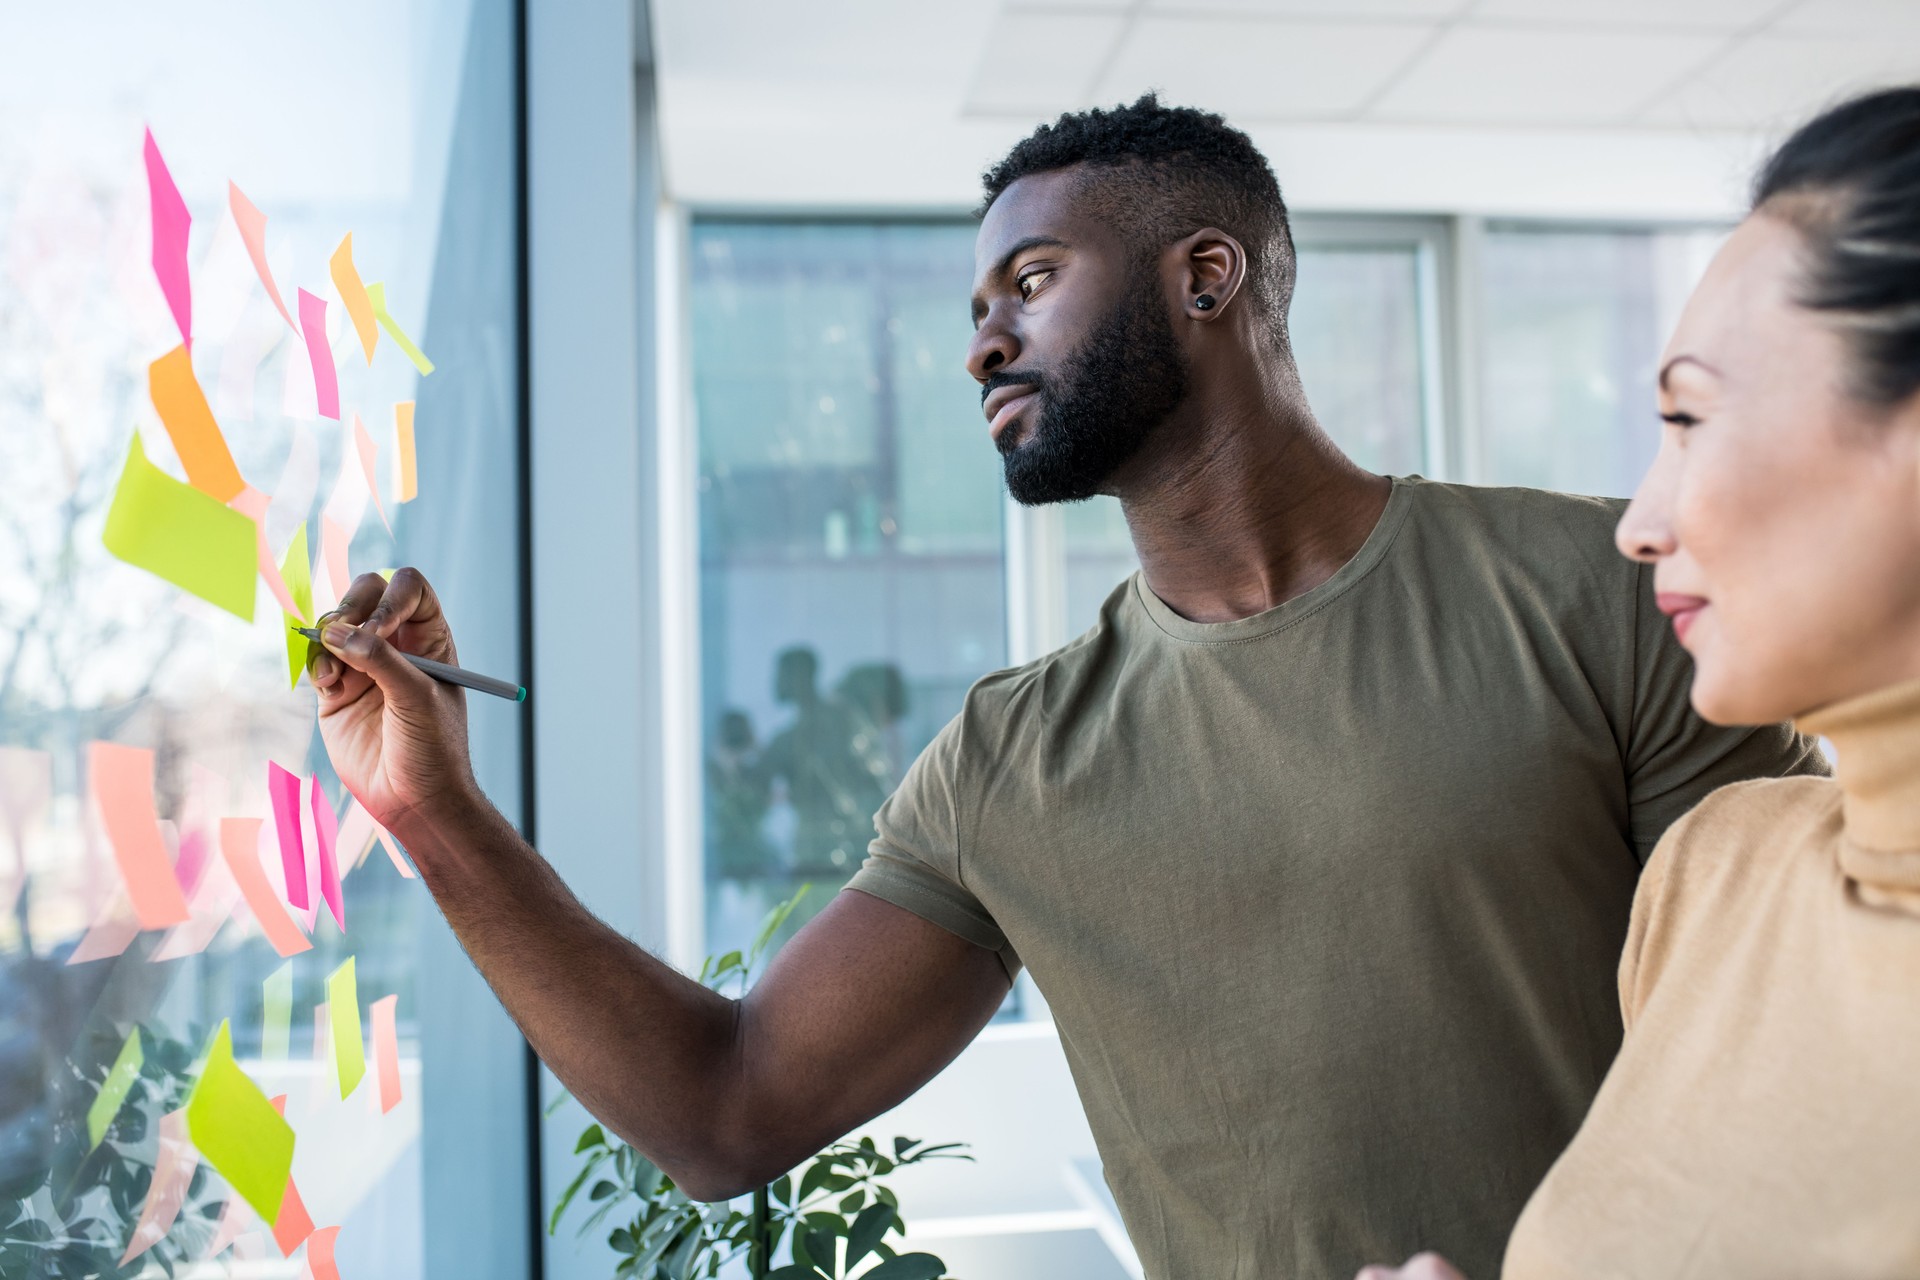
1679	419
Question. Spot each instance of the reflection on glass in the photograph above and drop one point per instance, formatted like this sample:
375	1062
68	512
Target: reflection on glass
850	539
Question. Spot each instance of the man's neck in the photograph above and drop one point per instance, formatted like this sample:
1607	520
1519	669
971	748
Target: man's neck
1249	505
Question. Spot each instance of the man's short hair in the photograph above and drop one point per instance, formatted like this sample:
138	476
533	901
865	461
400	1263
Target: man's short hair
1160	173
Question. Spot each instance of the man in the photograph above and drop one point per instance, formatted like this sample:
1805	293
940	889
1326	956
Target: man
1320	844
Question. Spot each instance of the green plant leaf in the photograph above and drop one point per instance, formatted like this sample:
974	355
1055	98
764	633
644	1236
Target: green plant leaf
853	1203
867	1231
909	1266
817	1172
782	1189
573	1189
601	1190
592	1136
903	1145
796	1271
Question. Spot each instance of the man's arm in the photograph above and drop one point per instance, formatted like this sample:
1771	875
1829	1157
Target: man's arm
861	1008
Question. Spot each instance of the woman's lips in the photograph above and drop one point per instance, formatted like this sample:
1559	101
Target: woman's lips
1003	417
1683	610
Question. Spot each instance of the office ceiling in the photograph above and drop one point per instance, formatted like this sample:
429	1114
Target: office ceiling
901	102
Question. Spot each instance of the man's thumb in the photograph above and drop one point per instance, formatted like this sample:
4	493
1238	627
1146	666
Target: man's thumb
367	653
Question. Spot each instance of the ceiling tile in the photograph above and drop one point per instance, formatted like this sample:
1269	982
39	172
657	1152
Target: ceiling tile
1772	82
1851	18
1041	62
1262	70
1331	9
1540	76
1704	15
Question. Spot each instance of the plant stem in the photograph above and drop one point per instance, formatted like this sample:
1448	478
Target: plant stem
759	1260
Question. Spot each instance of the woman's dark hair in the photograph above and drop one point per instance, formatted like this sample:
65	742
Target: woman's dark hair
1850	182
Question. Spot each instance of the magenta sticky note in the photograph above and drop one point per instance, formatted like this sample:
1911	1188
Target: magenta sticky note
313	327
170	224
326	834
283	789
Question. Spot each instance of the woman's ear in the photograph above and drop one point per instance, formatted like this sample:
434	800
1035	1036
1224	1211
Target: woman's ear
1213	268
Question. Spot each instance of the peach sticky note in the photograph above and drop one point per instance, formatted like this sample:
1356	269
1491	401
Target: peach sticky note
299	582
377	295
188	418
369	458
252	503
122	782
353	295
111	932
240	846
313	327
172	1175
113	1090
178	533
253	231
326	832
283	789
408	482
386	1050
170	225
294	1225
343	1012
238	1131
320	1263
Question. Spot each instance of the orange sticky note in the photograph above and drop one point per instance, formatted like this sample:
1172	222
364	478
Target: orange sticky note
189	422
240	846
294	1225
403	437
386	1051
353	295
122	782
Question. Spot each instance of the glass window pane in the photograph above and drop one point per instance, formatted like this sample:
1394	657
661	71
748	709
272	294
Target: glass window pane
413	155
850	538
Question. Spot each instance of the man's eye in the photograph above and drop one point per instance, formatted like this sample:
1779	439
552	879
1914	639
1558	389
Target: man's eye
1030	282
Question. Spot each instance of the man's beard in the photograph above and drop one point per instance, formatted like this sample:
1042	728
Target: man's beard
1101	405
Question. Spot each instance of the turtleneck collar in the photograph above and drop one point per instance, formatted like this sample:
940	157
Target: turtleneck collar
1877	738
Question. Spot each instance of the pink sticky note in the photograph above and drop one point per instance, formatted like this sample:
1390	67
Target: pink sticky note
369	453
283	789
240	847
356	836
172	1174
192	862
253	230
122	781
386	1051
111	932
320	1264
334	541
393	854
170	224
313	327
211	906
326	831
252	503
234	1220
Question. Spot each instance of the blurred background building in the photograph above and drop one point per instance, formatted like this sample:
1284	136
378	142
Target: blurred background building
701	460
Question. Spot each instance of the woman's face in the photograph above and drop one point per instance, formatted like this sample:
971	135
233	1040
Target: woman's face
1782	517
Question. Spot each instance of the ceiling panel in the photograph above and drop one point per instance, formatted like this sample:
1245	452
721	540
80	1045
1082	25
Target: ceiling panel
1771	82
1541	76
1262	70
1707	15
1041	61
1334	9
1851	18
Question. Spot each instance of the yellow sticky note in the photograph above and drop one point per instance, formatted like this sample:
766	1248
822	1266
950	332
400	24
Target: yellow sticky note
189	422
343	1012
238	1131
178	533
403	437
353	295
113	1090
298	576
377	295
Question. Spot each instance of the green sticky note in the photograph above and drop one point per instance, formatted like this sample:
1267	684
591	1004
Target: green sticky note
377	295
176	532
276	1022
238	1131
294	571
113	1092
343	1013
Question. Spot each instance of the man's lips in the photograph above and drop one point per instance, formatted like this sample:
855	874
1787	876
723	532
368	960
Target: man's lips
1004	404
1683	610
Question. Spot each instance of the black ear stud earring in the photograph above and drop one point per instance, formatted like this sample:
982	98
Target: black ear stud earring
1204	302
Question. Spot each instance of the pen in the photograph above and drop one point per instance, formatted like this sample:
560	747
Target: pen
449	674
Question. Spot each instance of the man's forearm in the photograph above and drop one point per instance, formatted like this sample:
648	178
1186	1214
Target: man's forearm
649	1052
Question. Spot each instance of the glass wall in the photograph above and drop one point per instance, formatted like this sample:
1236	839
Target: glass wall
410	151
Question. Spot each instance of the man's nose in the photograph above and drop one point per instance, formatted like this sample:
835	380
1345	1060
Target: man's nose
993	348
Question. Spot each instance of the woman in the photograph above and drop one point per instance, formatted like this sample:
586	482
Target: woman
1763	1117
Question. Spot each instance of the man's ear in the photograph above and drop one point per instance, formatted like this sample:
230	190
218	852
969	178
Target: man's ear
1213	267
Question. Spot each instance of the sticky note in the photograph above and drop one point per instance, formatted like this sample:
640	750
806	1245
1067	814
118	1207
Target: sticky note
326	831
343	1009
122	782
386	1050
233	1222
276	1014
353	295
172	1176
407	482
253	231
300	587
388	843
377	295
356	836
252	503
113	1090
210	908
170	225
188	418
240	847
237	1130
294	1225
335	539
283	789
320	1254
178	533
111	932
313	327
369	455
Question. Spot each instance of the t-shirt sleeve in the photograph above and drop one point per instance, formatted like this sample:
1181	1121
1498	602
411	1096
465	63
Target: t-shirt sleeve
1674	758
914	860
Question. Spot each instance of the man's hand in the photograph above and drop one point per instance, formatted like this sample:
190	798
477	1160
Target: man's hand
1422	1266
397	737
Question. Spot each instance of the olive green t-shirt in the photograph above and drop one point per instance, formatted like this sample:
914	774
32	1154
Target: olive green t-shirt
1328	902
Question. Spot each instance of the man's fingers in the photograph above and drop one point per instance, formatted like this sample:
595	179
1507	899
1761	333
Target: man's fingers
365	652
407	598
362	598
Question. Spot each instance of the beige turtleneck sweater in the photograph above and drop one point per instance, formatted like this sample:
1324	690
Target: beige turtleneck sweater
1763	1117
